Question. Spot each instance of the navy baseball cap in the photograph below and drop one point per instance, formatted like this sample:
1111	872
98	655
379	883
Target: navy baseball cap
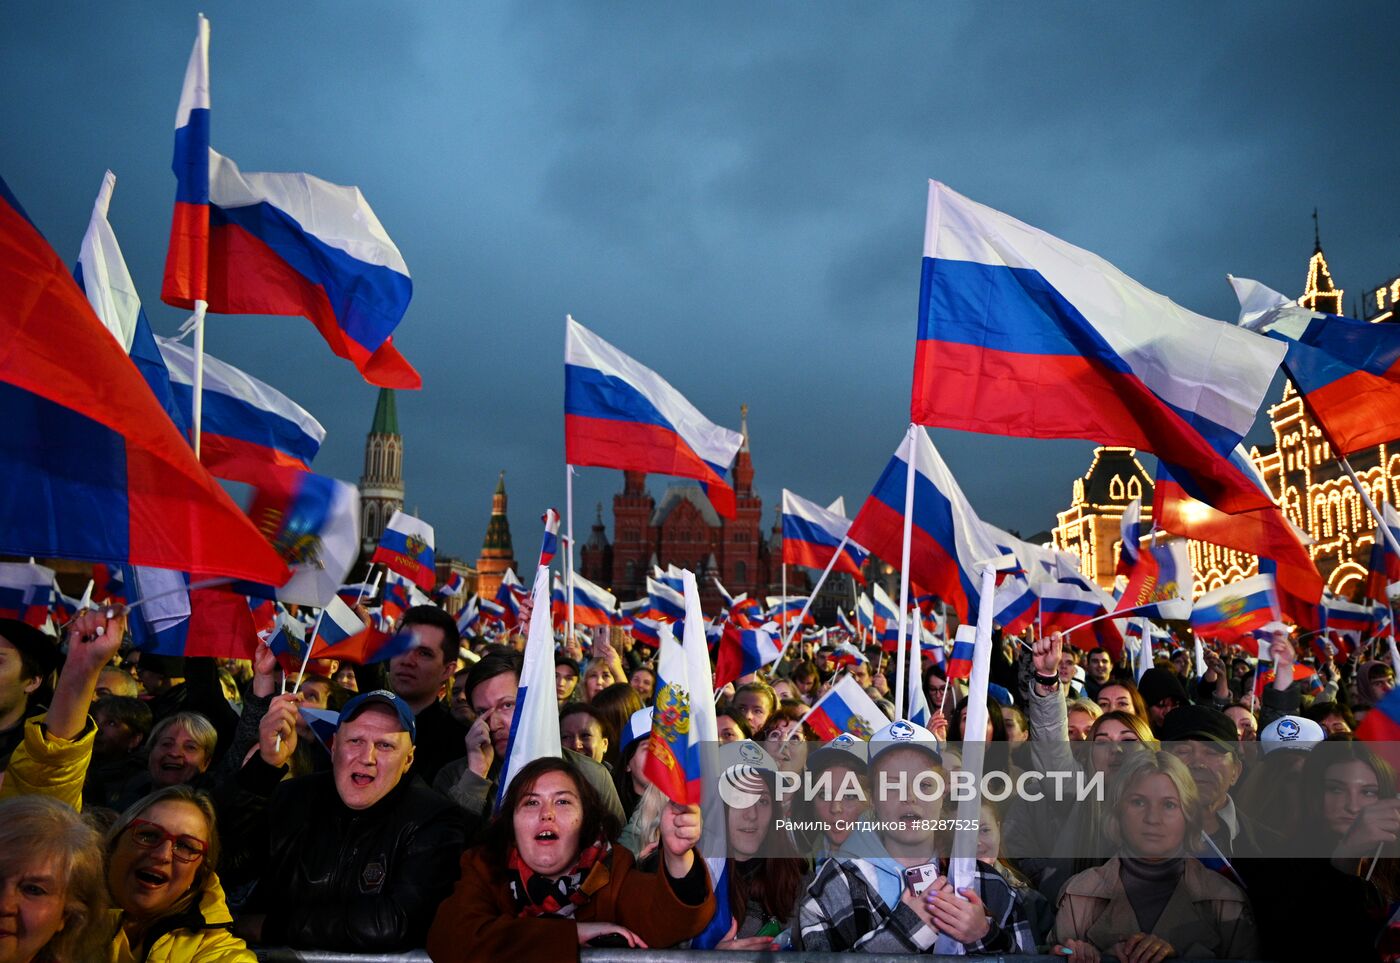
386	698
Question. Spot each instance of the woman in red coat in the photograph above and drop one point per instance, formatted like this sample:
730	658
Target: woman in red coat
549	880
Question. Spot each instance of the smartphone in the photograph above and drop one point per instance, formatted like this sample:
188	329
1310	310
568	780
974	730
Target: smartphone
771	928
921	877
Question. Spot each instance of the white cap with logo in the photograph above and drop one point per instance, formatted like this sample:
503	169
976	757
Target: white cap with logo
1291	732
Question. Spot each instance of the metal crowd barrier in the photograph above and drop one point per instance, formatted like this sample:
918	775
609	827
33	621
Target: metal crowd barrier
285	955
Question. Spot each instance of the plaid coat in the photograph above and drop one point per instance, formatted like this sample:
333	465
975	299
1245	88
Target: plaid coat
842	910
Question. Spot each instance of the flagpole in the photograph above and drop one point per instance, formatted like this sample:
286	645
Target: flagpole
820	582
1381	526
301	673
569	508
200	308
1118	614
783	607
901	656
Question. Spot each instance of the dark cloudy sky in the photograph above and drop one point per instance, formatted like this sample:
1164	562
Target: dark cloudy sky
731	192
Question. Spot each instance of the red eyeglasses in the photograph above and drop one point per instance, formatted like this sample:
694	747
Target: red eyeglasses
149	835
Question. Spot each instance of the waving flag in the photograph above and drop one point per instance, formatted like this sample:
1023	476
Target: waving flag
620	414
1352	621
1132	532
162	625
1233	611
492	611
673	762
812	534
865	613
314	524
103	275
785	611
664	603
109	585
846	656
845	708
94	469
406	547
452	588
1385	564
549	547
1347	371
1067	604
370	645
886	618
187	259
26	592
960	660
469	619
1023	334
646	632
1266	533
246	425
1160	577
947	536
742	652
593	604
337	623
844	621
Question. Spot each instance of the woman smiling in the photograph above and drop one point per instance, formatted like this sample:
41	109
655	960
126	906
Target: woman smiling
161	855
548	879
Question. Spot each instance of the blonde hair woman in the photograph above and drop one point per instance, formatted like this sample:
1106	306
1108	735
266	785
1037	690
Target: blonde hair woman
52	893
1153	900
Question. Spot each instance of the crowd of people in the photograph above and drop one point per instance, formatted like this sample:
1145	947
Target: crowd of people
187	809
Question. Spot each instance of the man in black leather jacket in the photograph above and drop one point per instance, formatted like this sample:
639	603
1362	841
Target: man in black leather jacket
355	859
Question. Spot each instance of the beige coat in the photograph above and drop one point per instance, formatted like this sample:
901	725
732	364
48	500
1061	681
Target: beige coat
1207	916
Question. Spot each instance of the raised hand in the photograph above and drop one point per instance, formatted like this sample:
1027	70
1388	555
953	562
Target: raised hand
680	831
277	732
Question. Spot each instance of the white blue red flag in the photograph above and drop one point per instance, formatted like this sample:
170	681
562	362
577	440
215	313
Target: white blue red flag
469	618
187	259
406	547
1385	564
246	425
452	588
785	611
336	623
1131	532
1160	579
845	707
492	611
1023	334
744	651
26	592
885	616
160	626
1347	370
593	604
621	414
960	659
1352	621
370	645
665	603
534	730
948	538
314	523
85	432
549	546
812	535
1282	548
1235	610
673	761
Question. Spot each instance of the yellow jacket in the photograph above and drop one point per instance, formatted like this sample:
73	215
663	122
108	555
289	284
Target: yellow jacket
43	764
198	935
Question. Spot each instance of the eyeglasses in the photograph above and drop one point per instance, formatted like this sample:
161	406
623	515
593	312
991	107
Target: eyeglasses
148	835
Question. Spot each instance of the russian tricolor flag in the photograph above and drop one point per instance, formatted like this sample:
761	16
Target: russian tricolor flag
470	617
1385	564
1131	532
314	523
812	534
845	708
593	604
742	652
406	547
664	603
534	729
1160	578
960	659
26	592
948	538
289	244
785	611
1267	533
336	623
453	587
1347	370
621	414
673	759
1023	334
1233	611
94	468
1351	620
647	632
246	425
549	547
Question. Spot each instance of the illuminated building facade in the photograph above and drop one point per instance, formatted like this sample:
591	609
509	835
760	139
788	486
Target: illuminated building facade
1299	470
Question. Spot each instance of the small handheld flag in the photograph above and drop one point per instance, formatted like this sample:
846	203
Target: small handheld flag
534	729
406	547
